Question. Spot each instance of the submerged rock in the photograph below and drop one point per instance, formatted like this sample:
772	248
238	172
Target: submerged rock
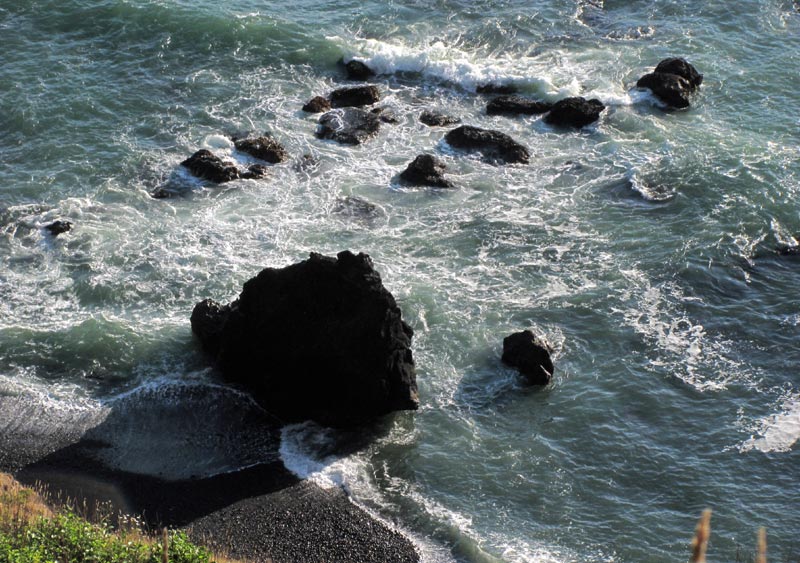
317	104
254	172
356	207
387	115
205	164
530	355
494	145
58	227
426	170
265	148
436	119
574	112
492	88
673	82
349	126
516	105
322	340
358	96
356	70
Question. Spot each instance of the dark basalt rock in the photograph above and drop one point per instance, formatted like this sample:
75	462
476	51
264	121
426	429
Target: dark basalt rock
356	70
322	340
264	148
671	89
58	227
574	112
682	68
435	119
530	355
204	164
426	170
494	145
491	88
673	82
317	104
358	96
349	126
255	172
515	105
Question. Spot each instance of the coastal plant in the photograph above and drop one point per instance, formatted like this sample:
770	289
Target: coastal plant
31	532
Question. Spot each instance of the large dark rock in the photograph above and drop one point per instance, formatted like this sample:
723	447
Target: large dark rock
265	148
671	89
515	105
494	145
58	227
682	68
205	164
530	355
426	170
317	104
322	340
356	70
349	126
358	96
436	119
673	82
574	112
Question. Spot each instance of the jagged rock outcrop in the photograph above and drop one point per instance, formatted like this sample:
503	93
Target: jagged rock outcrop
264	148
358	96
494	145
530	355
673	81
426	170
321	339
205	164
574	112
516	105
436	119
349	126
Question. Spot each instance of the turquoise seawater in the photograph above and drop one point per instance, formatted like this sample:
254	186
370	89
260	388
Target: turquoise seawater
642	248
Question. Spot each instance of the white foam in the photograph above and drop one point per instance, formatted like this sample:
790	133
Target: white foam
299	442
451	64
778	432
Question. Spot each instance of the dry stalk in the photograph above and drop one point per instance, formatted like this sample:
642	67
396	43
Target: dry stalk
761	557
701	535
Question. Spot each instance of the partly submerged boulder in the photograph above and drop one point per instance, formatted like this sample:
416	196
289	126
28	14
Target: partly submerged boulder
321	339
574	112
436	119
357	96
58	227
494	145
516	105
317	104
530	355
356	70
265	148
426	170
349	126
673	81
205	164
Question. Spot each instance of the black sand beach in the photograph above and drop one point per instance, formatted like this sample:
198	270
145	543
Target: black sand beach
260	513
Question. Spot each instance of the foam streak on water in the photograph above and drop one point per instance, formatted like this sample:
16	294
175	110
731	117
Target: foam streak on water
642	247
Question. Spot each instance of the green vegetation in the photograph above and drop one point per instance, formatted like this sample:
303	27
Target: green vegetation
30	532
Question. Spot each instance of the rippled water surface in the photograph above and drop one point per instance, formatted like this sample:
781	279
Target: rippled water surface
641	247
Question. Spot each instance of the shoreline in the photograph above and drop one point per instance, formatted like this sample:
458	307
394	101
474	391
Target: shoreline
260	513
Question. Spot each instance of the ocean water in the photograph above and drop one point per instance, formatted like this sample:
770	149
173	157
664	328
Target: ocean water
642	248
